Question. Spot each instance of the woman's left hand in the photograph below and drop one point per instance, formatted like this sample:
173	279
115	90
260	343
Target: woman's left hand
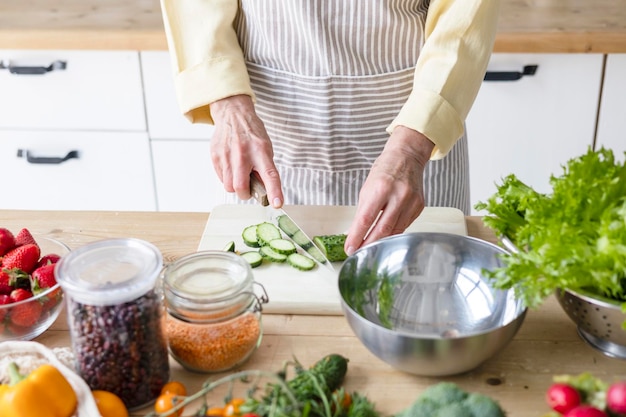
393	194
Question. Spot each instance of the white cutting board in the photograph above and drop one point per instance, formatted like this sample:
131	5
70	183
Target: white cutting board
291	291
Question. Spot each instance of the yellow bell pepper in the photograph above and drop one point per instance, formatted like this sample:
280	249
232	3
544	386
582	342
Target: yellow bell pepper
43	393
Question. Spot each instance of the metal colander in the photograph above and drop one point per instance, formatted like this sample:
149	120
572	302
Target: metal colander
599	321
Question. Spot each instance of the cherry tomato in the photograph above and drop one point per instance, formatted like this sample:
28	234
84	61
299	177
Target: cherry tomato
562	397
174	387
109	404
166	402
250	415
232	407
616	397
585	411
215	412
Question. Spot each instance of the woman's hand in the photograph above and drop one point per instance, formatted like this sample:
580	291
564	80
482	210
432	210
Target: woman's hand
393	194
241	146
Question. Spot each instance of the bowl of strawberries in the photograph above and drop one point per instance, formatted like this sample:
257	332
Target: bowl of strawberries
30	297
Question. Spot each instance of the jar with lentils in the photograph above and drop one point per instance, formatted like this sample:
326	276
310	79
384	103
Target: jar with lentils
116	318
213	320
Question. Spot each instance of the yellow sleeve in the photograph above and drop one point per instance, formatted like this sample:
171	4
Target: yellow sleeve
450	69
207	60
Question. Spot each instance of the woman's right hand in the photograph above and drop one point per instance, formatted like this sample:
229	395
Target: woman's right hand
240	146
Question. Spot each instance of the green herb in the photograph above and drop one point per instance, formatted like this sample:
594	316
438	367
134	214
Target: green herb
572	238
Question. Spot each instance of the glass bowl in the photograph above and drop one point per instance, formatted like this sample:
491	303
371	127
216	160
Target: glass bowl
27	319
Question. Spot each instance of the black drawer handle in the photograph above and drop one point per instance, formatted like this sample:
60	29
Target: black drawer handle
54	160
24	70
510	75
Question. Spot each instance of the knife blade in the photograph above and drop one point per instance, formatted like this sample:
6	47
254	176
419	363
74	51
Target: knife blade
285	223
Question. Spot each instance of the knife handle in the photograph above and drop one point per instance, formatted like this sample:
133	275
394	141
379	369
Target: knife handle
257	190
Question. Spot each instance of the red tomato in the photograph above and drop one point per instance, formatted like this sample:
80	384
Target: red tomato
585	411
562	397
616	397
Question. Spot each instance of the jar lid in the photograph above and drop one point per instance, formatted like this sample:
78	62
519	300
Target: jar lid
208	281
110	272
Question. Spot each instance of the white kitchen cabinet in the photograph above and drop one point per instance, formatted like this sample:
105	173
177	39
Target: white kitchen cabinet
612	117
165	120
184	175
531	126
73	170
71	90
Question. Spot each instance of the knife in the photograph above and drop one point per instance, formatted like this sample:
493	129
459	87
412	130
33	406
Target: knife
287	224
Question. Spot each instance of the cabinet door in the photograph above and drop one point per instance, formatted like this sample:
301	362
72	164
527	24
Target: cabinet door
185	180
530	127
64	170
83	90
612	119
165	120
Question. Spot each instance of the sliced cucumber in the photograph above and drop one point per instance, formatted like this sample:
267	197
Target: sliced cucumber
301	262
249	236
254	258
270	254
230	247
332	246
287	225
266	232
301	240
284	246
316	253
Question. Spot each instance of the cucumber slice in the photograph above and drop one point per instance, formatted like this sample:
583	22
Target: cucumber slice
249	236
316	253
332	246
270	254
266	232
301	240
254	258
301	262
284	246
230	247
287	225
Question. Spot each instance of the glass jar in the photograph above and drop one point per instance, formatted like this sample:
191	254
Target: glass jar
213	314
115	316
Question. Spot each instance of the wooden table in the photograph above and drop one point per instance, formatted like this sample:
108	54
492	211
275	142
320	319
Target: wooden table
547	344
532	26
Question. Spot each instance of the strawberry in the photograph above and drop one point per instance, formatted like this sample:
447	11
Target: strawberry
23	257
24	237
4	299
43	278
5	283
24	314
20	294
27	314
50	258
7	241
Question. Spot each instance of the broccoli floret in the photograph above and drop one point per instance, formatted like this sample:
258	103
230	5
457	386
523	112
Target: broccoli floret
482	406
423	407
444	393
446	399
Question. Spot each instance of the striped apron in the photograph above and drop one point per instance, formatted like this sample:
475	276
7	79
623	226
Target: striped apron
330	76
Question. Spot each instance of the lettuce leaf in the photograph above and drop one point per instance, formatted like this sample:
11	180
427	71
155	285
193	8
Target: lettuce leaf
572	238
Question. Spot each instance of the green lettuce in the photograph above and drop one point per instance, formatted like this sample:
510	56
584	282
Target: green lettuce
572	238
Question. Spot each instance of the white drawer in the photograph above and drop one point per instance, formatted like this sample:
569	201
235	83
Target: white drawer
111	171
165	120
184	176
97	90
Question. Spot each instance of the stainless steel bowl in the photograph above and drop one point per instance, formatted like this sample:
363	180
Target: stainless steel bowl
421	303
599	320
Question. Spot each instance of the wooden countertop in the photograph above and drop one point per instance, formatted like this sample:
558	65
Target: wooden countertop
597	26
547	343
